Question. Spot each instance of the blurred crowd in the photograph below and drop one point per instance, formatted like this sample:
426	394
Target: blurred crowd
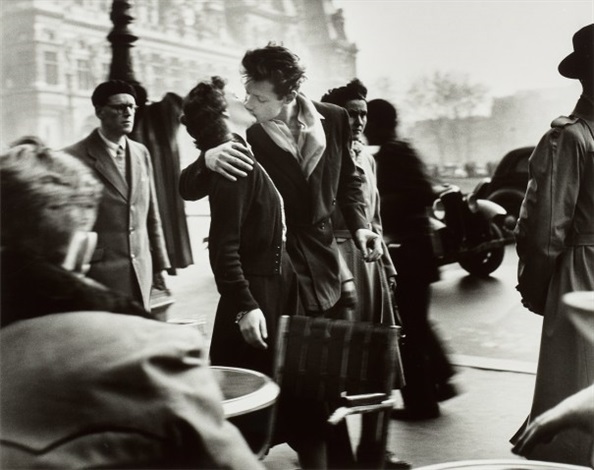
317	209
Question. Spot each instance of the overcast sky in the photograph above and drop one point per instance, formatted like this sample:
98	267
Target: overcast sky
506	45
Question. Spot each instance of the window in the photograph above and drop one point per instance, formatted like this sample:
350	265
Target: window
50	60
83	72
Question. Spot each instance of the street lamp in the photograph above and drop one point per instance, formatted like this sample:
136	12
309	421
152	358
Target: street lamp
122	41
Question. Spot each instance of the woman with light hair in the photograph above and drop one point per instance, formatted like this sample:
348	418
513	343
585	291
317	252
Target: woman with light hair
49	205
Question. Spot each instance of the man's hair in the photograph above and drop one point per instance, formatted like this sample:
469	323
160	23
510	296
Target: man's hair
104	90
340	96
203	113
381	114
274	63
40	191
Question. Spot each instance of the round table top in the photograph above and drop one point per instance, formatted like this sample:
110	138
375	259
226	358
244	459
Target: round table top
244	390
501	464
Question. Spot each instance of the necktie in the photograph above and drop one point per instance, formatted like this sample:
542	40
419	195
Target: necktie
121	160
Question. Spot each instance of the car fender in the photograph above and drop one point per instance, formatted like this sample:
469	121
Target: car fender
489	209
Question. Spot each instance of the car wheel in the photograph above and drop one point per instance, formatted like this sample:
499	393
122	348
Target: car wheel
484	263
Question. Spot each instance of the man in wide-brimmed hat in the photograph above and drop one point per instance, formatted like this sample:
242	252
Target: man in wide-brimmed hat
555	244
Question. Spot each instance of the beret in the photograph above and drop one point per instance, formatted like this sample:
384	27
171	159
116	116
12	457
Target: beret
110	88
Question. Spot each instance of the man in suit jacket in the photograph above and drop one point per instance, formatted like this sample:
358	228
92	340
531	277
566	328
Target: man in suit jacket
130	247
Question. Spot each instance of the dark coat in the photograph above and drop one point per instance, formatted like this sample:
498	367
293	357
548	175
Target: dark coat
406	196
309	204
250	264
156	127
130	245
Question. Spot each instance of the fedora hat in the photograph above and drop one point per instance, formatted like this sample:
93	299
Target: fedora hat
581	61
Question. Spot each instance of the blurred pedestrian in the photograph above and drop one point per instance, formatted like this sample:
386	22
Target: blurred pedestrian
130	254
304	147
406	195
83	385
555	245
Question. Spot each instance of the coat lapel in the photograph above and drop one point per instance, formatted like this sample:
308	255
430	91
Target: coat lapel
279	161
136	168
104	164
316	174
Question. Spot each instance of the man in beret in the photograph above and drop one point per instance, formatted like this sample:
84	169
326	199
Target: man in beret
555	245
131	248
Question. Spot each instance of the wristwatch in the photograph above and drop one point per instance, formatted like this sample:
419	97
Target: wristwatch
240	315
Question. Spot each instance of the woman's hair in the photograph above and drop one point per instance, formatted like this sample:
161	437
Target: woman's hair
44	194
354	90
204	114
274	63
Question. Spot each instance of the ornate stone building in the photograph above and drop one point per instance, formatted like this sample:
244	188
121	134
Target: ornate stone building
54	52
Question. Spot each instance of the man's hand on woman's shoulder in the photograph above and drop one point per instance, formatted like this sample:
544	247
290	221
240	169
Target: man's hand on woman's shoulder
229	159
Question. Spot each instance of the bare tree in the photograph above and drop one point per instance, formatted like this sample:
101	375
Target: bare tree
445	102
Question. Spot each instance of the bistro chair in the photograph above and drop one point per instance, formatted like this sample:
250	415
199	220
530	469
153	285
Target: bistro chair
351	366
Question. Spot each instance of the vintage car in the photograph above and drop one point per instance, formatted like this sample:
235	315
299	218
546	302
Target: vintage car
469	231
508	184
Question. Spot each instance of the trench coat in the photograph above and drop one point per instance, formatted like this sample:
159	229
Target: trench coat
555	244
130	244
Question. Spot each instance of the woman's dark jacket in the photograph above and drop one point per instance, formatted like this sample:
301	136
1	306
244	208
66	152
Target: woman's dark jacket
249	262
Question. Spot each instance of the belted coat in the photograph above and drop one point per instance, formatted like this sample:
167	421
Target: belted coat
555	244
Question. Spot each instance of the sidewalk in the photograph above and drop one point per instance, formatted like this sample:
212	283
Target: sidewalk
477	424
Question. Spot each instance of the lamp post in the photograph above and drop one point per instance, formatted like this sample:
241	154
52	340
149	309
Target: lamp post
122	41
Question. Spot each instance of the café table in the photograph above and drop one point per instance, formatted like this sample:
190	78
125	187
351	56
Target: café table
248	402
501	464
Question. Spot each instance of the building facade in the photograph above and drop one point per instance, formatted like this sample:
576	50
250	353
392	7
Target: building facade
54	52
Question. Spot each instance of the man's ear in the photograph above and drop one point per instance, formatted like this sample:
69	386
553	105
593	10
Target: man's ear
98	110
289	97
